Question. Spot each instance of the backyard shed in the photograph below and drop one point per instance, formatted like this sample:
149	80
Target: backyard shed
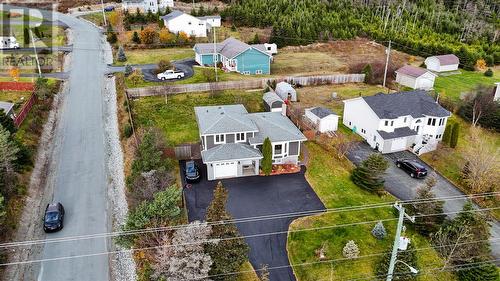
272	102
442	63
325	119
7	108
415	77
286	92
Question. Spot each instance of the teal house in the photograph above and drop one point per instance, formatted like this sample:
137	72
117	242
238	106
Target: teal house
235	55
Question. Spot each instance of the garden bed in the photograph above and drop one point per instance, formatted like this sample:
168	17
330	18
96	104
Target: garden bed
283	169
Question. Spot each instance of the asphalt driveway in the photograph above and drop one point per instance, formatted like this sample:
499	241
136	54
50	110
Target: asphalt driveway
260	196
185	65
401	185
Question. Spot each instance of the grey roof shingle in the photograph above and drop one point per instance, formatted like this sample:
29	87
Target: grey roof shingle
448	59
206	48
272	97
230	151
398	133
172	15
209	17
6	106
412	71
260	47
232	47
274	126
415	103
223	119
322	112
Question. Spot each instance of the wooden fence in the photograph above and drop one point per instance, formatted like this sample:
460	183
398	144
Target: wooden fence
184	151
169	89
18	120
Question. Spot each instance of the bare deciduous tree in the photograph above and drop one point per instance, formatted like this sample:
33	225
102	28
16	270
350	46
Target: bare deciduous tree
482	163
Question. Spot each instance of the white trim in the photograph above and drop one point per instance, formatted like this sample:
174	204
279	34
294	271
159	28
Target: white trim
223	141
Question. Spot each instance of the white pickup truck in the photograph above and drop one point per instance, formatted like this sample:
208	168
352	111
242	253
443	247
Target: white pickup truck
170	74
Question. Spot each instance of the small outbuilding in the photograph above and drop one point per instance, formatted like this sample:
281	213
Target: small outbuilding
442	63
272	102
325	119
7	108
415	77
496	97
286	92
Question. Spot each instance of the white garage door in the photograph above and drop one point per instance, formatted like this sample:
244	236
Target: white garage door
398	144
226	169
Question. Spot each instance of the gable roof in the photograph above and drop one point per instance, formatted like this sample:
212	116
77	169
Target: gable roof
6	106
229	48
321	112
413	71
274	126
230	151
174	14
415	103
447	59
223	119
271	97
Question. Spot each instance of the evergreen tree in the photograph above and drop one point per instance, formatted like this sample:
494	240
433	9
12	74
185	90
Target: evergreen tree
401	271
427	224
454	135
121	57
350	250
227	255
368	72
8	151
379	231
7	122
135	38
256	39
447	134
369	174
26	38
479	272
267	153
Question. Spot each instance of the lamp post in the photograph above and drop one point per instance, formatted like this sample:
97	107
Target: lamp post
411	268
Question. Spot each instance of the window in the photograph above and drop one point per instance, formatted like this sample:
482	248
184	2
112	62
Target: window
240	137
386	122
189	23
219	138
258	71
246	72
374	138
404	120
363	131
269	48
437	136
392	123
429	121
278	149
349	123
433	121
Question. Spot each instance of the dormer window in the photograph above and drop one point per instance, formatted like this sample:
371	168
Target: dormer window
219	139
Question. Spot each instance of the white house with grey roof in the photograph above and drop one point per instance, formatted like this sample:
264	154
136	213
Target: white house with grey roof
323	118
395	122
146	5
178	21
231	140
442	63
415	77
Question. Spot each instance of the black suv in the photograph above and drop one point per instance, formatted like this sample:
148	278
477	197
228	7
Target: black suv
413	168
192	172
54	217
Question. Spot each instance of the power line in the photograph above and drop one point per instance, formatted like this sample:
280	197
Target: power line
228	239
243	220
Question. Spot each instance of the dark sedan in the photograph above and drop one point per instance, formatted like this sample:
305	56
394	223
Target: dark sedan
54	217
413	168
192	172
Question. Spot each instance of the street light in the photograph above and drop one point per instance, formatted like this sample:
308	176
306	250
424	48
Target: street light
412	269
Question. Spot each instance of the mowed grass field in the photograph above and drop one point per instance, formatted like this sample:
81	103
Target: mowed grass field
175	116
16	97
454	85
330	179
149	56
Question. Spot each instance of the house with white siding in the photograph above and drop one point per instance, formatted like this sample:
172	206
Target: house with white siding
496	97
415	77
147	5
232	139
442	63
178	21
399	121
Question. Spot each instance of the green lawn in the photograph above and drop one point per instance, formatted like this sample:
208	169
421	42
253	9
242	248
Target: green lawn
176	118
449	161
330	180
52	35
452	86
155	55
16	97
96	18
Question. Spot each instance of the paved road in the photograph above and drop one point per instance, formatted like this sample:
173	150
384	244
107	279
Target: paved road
39	49
260	196
79	176
401	185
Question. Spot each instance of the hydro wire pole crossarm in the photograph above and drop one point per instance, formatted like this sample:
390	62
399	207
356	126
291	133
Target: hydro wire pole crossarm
395	247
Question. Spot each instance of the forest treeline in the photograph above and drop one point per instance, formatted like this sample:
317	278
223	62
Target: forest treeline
468	28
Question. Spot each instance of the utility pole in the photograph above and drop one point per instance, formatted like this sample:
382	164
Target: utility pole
36	54
103	13
395	247
388	52
215	57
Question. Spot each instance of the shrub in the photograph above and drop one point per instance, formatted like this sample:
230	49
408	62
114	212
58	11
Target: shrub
136	77
165	36
379	231
447	134
484	272
127	131
112	38
454	135
208	74
368	72
121	57
148	35
163	65
128	70
267	153
488	73
350	250
135	38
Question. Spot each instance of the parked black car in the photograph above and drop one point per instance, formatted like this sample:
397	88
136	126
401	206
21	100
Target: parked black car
54	217
413	168
109	9
192	172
